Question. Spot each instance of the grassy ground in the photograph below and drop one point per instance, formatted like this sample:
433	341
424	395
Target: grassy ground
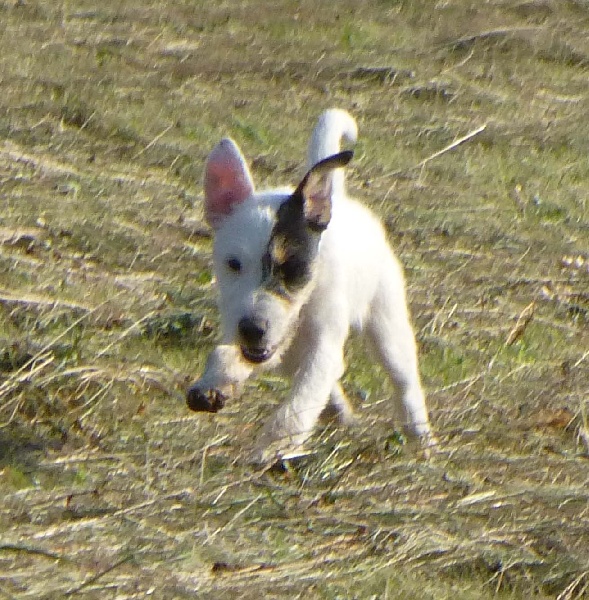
110	487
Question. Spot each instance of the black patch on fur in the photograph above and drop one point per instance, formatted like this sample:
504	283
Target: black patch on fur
293	246
294	243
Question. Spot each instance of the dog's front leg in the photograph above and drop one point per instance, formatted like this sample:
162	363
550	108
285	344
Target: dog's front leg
294	421
225	372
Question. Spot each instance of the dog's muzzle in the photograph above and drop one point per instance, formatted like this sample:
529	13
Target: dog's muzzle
205	401
252	331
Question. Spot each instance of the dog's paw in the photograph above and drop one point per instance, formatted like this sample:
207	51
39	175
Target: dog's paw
430	444
265	452
273	444
422	439
274	454
205	400
260	457
429	440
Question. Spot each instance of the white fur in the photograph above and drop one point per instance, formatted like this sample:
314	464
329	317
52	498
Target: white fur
357	283
332	126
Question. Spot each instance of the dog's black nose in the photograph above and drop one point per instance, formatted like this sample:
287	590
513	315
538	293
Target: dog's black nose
252	331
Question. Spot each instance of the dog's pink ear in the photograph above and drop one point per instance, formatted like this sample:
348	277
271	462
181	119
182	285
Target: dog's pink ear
317	189
228	182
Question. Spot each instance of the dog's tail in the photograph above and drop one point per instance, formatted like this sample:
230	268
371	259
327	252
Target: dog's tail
333	126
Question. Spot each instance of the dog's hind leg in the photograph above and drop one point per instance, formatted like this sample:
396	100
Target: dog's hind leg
390	329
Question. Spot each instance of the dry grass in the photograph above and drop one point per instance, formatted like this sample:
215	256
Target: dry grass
474	151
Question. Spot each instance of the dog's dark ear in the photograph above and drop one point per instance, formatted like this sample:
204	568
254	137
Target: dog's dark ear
227	182
316	189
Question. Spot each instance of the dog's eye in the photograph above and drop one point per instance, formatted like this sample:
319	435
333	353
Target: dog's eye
294	271
233	264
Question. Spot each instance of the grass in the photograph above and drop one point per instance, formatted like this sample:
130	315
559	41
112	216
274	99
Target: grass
110	487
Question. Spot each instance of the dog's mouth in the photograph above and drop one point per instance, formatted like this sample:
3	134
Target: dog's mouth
257	355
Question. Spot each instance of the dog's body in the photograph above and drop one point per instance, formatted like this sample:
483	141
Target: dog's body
296	269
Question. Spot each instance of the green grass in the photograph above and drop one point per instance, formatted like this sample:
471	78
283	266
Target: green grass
109	486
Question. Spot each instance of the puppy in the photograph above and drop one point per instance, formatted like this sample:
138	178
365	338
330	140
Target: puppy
296	270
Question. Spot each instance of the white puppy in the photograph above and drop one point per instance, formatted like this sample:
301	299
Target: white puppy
296	269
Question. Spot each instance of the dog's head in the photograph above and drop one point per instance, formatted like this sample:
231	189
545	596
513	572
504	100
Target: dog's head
266	248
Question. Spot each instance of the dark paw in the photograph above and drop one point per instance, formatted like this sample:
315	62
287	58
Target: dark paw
205	401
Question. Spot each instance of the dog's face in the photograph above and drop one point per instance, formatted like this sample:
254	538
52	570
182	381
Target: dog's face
266	248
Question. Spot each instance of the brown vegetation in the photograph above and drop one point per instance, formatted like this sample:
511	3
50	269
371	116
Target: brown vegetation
473	148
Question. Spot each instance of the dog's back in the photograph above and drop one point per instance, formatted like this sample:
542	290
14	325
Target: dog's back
354	259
